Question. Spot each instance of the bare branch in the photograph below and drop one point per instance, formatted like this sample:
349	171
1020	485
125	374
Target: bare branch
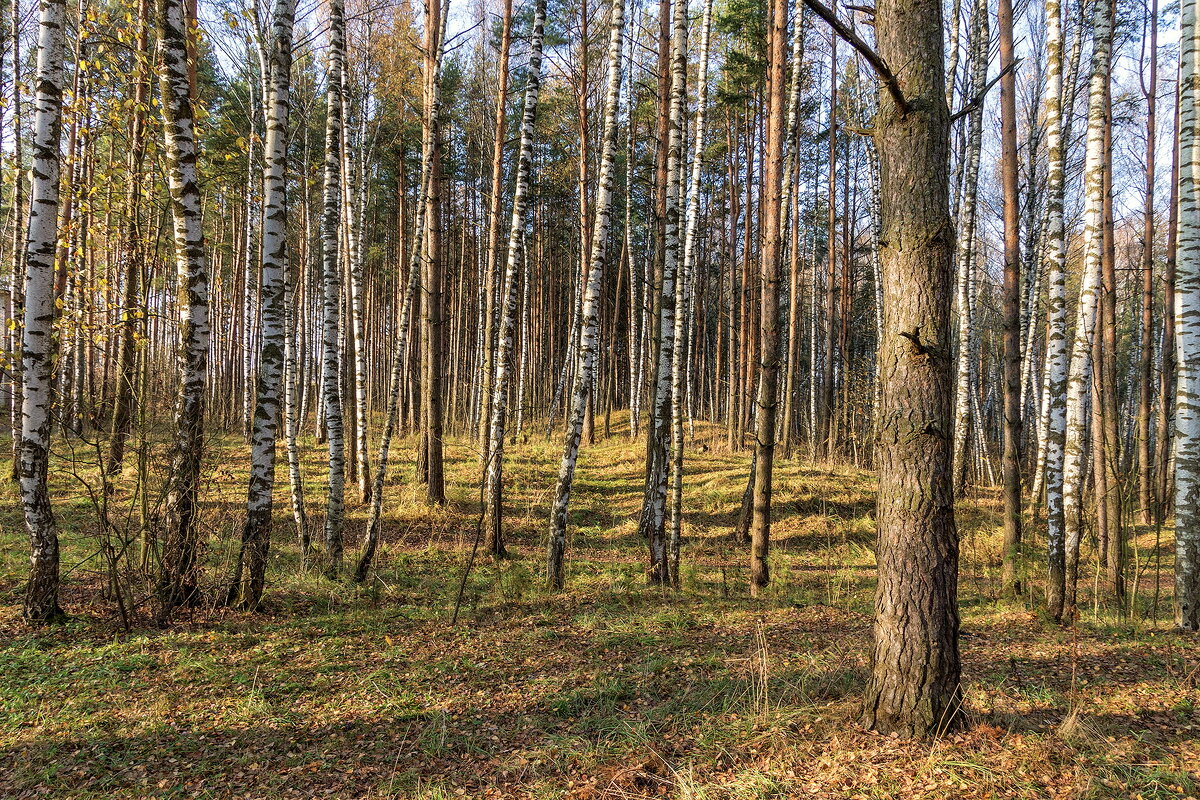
977	100
874	59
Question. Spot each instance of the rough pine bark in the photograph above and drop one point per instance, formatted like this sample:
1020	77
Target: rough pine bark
914	689
772	256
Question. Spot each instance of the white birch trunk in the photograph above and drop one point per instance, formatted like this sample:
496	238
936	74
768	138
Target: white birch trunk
331	393
652	523
683	291
1079	370
590	309
1055	390
178	580
1187	331
249	578
38	344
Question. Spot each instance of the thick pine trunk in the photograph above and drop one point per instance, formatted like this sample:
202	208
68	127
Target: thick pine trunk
914	688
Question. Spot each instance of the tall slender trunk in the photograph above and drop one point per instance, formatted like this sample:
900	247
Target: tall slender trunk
131	253
1057	353
331	388
16	309
651	523
1011	467
1146	364
590	322
495	210
683	292
250	572
38	347
1165	424
789	203
1187	327
1079	372
967	374
395	381
772	256
177	583
432	355
493	477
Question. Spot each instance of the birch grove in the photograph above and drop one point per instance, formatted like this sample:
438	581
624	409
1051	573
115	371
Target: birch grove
775	305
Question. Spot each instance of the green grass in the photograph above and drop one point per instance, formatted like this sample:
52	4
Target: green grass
611	689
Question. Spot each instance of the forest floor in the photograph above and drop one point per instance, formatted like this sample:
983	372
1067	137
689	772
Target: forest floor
610	690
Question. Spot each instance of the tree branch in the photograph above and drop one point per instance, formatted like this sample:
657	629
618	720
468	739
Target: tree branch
977	100
874	59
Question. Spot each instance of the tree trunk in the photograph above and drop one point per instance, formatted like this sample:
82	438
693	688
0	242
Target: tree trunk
1146	363
177	583
431	265
493	477
331	282
914	688
1187	327
246	589
1011	469
1079	373
38	347
772	256
1056	315
590	313
131	253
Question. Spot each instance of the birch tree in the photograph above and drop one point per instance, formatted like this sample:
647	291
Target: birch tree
1187	330
177	584
1056	313
683	300
331	285
250	572
38	346
590	321
1079	370
652	522
493	478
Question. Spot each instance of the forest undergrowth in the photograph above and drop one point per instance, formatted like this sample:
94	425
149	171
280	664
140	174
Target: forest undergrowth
611	689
